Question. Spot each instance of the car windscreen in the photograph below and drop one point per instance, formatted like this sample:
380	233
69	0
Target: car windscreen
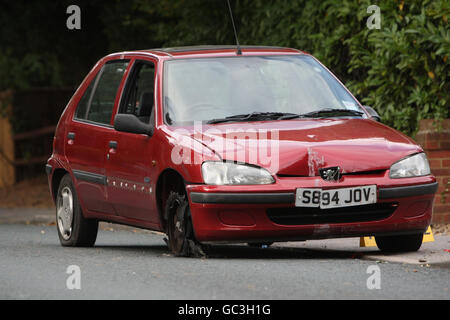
213	88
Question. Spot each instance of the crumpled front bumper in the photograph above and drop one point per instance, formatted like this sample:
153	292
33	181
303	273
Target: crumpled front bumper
268	212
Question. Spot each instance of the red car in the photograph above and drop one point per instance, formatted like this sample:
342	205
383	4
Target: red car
210	144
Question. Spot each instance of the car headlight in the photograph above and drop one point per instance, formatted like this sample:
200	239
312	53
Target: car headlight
221	173
413	166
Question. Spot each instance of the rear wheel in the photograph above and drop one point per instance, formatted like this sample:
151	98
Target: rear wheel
180	230
402	243
73	229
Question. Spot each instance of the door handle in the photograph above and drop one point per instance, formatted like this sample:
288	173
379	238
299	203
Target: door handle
113	144
71	135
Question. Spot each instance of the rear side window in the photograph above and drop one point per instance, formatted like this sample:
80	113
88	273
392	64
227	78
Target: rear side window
97	102
102	101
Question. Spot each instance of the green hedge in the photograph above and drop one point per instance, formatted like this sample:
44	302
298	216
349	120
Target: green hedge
402	69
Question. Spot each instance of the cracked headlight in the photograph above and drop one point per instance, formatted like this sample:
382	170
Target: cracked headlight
229	173
413	166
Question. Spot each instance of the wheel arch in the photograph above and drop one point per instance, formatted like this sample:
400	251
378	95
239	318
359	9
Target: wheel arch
57	176
169	180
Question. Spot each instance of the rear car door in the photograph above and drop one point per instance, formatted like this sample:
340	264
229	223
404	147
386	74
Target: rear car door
88	134
129	165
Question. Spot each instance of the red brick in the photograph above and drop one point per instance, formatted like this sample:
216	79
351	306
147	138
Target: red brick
427	124
432	125
444	144
445	163
435	163
434	136
432	145
438	154
441	172
440	218
421	139
442	187
438	198
442	209
442	135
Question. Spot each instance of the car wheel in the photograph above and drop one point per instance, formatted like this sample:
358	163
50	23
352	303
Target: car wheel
259	244
180	230
73	229
403	243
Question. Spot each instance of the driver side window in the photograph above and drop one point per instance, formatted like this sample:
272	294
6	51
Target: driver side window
139	94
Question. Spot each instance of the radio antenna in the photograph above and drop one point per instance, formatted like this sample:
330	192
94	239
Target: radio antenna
239	51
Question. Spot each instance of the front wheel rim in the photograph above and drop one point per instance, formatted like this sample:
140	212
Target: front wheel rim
64	213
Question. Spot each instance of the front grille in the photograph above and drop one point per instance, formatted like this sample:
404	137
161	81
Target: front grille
300	216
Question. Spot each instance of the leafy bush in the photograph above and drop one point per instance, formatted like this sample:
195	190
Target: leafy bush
401	69
404	64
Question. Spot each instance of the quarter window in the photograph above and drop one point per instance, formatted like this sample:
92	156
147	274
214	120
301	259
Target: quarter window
82	107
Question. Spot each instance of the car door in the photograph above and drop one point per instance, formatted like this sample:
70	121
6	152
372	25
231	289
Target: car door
88	134
129	161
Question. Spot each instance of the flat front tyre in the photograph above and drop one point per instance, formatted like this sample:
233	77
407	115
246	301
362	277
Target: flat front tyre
402	243
73	229
180	231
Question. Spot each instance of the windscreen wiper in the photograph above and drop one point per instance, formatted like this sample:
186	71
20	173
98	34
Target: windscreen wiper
327	112
254	116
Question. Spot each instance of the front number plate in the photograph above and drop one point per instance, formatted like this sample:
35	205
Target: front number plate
335	198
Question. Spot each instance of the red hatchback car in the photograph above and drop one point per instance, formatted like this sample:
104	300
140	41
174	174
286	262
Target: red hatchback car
209	144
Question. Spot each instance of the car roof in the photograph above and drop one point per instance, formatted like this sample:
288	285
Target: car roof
217	49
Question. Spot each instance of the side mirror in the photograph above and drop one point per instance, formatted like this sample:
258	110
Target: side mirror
373	114
130	123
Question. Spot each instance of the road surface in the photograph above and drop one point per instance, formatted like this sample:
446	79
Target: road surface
137	265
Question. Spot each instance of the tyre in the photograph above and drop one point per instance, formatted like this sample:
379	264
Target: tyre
402	243
73	229
180	231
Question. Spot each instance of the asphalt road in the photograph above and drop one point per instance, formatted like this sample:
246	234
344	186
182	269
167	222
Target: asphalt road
128	265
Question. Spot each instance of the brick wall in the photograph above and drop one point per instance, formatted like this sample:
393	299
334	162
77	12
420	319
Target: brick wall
437	147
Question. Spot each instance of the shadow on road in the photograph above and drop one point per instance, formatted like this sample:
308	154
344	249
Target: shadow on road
239	252
133	249
244	252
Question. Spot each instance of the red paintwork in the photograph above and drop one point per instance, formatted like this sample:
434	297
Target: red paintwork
334	139
355	144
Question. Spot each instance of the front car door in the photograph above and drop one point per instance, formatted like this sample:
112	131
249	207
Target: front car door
131	179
